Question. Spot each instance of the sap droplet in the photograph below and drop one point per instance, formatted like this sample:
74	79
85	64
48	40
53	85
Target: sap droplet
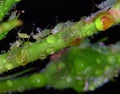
9	66
9	83
51	39
50	51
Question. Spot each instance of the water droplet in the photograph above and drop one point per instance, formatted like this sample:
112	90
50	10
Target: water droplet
91	87
98	60
78	65
1	68
9	66
51	39
68	79
84	34
98	72
5	8
42	56
111	59
21	89
1	14
4	61
50	51
78	78
38	80
9	83
107	68
89	33
71	34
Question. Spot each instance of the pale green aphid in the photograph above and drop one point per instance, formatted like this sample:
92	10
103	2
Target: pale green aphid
106	4
16	44
58	28
41	34
13	15
23	35
61	26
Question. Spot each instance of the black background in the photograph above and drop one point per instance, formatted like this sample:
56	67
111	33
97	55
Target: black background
46	14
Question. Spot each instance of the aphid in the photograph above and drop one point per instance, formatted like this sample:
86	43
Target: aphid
57	28
41	34
15	14
23	35
38	29
106	4
16	44
104	21
61	26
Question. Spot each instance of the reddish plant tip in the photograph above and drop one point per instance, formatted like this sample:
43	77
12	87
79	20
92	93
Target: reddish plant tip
104	21
107	21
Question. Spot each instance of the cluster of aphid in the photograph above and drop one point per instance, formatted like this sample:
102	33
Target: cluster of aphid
40	33
106	4
102	22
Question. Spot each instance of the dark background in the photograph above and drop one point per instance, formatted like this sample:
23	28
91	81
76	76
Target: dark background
46	14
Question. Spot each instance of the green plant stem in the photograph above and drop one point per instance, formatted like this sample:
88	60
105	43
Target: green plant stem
5	6
79	68
7	26
22	84
73	35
